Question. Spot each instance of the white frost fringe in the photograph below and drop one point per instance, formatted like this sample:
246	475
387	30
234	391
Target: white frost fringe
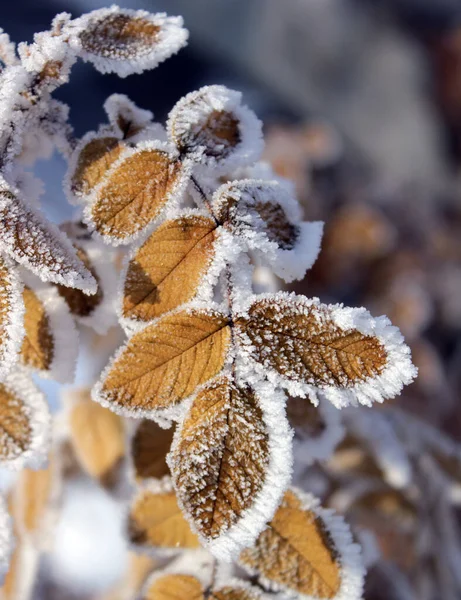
398	371
6	538
19	383
171	37
277	478
352	571
12	332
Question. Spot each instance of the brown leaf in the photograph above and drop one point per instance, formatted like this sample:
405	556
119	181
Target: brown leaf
38	346
302	343
80	304
251	204
98	436
220	457
15	427
296	552
119	35
135	193
166	361
149	447
156	521
175	587
93	162
167	269
38	245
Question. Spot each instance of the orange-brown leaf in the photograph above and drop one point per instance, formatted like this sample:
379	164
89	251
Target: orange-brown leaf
93	161
149	447
296	552
156	521
15	427
166	361
175	587
98	437
220	457
235	593
32	494
167	269
38	345
134	194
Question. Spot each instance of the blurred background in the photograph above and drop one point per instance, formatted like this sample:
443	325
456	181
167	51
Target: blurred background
361	101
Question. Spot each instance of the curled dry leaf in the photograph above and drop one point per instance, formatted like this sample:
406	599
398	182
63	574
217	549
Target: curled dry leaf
165	362
38	346
90	162
309	347
39	245
252	204
167	269
220	457
134	192
156	522
24	422
307	551
11	315
149	446
125	41
98	436
213	124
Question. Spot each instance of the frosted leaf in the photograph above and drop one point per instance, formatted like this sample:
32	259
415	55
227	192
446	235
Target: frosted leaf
49	59
212	125
166	270
149	446
134	191
156	523
307	552
124	41
6	538
24	422
50	344
11	315
97	435
164	363
39	245
90	162
309	347
268	219
125	117
317	429
231	463
96	311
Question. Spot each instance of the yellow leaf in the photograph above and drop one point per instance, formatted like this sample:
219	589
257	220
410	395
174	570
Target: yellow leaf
296	552
167	269
149	447
135	193
31	498
220	457
38	346
98	436
156	521
166	361
93	161
175	587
